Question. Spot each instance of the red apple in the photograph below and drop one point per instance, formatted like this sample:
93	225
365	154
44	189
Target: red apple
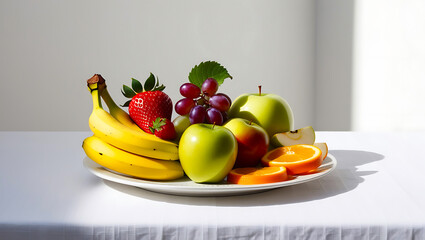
253	141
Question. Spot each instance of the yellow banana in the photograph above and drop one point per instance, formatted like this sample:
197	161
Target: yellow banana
127	163
110	130
116	111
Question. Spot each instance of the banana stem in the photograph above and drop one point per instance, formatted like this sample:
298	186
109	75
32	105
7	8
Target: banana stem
95	85
108	99
93	88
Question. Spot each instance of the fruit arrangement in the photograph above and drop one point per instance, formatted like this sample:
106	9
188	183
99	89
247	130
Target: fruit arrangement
212	140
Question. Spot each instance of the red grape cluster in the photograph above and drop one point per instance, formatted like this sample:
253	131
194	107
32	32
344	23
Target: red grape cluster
203	105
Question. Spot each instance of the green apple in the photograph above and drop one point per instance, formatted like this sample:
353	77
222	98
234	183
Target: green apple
270	111
181	123
304	135
324	148
253	141
207	152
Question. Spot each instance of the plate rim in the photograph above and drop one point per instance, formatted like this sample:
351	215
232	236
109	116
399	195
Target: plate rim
200	189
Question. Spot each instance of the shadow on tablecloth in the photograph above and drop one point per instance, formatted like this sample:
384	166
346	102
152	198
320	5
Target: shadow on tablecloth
344	178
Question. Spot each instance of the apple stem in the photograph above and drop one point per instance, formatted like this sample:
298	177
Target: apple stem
259	90
213	125
250	122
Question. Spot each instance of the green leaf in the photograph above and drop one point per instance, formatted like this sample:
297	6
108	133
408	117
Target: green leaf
152	130
157	124
136	85
127	91
157	86
160	88
126	104
150	83
209	69
157	82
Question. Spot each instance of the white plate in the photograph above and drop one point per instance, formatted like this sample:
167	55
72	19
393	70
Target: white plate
185	187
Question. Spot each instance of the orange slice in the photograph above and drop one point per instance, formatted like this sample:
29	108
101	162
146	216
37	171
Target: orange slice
297	159
247	176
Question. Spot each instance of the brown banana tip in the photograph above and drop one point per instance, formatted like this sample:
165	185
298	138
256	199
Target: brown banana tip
97	78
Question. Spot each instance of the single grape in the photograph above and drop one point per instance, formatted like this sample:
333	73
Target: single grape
190	90
220	102
197	114
209	87
228	98
183	106
214	116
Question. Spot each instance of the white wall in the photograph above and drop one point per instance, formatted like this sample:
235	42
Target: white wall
370	65
333	64
49	48
389	66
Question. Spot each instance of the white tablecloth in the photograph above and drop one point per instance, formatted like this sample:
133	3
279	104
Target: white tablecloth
376	192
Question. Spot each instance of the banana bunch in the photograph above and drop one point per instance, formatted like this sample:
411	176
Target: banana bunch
120	145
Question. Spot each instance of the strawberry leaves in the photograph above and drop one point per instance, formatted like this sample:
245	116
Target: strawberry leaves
209	69
151	84
136	85
128	92
157	124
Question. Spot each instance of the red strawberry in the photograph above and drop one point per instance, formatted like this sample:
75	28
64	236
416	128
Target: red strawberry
163	128
149	104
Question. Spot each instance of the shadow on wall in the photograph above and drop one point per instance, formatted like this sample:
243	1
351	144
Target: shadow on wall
344	178
334	64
